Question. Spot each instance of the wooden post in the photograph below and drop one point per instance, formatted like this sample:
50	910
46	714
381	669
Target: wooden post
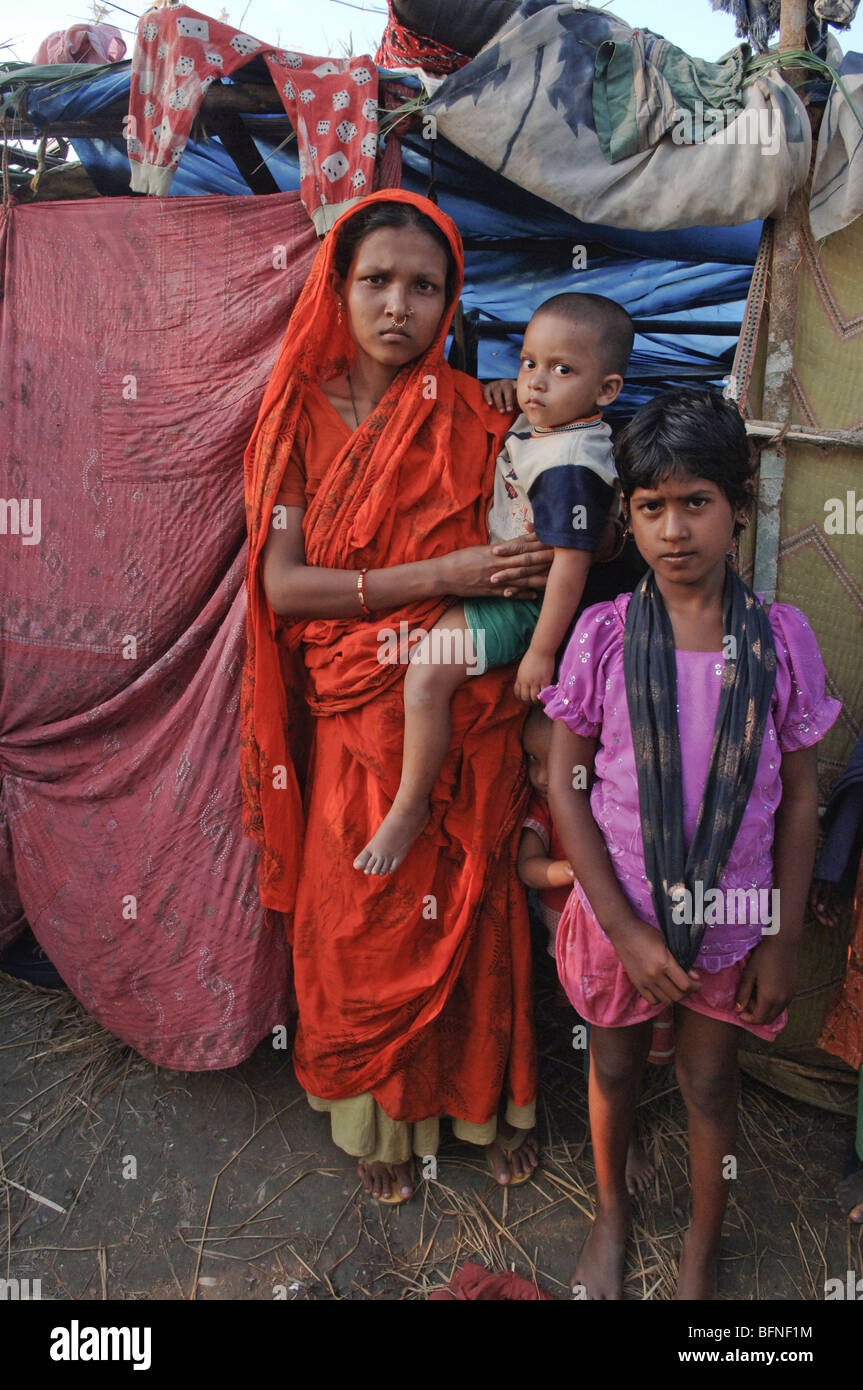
785	260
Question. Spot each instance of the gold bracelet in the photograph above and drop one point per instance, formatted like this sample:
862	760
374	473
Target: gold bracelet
361	592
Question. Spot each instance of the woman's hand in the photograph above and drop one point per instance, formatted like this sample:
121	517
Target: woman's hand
528	564
501	394
650	965
513	569
769	981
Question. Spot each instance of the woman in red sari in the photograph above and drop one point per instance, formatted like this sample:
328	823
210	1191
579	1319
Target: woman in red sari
368	480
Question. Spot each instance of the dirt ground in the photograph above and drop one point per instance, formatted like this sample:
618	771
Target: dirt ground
146	1184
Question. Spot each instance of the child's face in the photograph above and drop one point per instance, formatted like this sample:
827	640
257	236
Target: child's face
683	528
560	377
536	741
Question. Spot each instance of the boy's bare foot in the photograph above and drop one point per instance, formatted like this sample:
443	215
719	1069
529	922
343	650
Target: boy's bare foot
402	824
385	1181
599	1273
640	1172
516	1165
697	1277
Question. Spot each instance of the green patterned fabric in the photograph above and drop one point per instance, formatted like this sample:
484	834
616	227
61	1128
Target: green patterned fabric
642	86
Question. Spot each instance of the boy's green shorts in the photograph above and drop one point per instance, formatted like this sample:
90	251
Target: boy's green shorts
501	628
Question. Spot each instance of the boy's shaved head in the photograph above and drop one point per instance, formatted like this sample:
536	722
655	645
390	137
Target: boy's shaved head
610	322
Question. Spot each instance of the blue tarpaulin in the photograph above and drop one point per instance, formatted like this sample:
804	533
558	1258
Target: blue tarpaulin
520	249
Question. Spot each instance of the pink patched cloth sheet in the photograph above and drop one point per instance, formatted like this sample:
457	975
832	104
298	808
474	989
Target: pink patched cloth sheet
129	398
590	698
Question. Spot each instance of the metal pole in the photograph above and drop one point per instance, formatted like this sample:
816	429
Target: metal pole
780	348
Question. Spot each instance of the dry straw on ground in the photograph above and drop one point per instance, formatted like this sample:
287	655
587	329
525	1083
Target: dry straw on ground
784	1233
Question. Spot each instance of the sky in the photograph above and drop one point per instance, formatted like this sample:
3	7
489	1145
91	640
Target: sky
320	27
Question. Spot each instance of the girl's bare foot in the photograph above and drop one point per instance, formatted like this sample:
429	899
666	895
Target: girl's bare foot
403	823
384	1181
850	1194
599	1273
515	1165
640	1172
697	1278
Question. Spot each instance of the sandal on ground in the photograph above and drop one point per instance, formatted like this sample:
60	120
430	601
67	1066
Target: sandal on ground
508	1146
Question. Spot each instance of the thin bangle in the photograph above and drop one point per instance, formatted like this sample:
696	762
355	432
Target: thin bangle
361	592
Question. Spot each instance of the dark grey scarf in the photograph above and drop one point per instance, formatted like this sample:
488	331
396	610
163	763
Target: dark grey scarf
744	703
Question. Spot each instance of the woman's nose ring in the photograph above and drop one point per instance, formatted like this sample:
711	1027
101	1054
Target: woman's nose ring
401	322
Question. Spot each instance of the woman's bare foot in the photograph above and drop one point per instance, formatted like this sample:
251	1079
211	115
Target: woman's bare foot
383	1181
403	823
640	1172
516	1165
599	1273
697	1277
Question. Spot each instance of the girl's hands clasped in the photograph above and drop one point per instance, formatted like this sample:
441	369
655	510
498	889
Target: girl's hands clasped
650	965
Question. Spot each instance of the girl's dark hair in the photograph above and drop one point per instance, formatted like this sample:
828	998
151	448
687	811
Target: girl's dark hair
378	215
687	432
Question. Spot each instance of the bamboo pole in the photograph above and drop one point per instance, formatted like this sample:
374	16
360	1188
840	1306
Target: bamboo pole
828	439
780	348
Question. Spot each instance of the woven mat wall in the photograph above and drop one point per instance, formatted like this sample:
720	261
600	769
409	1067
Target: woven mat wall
818	572
822	574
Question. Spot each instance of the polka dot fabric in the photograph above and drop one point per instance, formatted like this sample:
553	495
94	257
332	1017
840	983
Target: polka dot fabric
331	102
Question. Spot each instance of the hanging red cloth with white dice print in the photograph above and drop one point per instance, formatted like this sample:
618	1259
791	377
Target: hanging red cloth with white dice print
331	102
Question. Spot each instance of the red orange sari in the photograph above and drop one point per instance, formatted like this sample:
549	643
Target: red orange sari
416	987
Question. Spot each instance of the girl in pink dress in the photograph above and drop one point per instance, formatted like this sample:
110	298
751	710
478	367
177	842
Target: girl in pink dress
682	785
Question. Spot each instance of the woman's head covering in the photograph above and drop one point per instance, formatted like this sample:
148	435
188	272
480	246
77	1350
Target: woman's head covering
318	346
413	482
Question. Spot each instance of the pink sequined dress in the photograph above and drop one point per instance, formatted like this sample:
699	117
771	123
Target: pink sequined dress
590	698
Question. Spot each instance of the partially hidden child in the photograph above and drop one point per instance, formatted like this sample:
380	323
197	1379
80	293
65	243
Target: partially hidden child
555	473
690	714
